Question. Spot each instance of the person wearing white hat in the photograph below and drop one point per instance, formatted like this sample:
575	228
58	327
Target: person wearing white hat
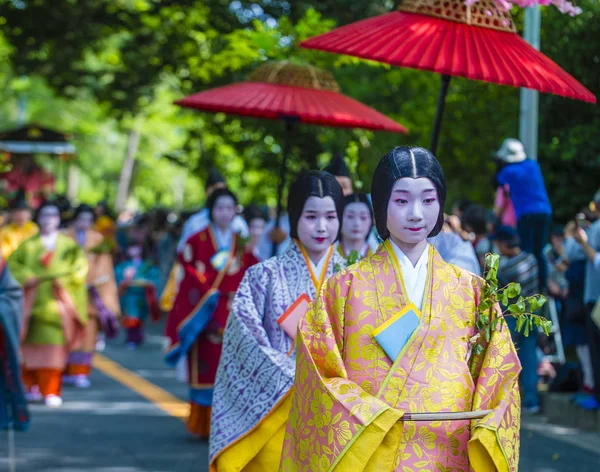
525	181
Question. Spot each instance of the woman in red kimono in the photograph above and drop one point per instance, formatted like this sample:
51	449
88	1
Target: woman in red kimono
214	262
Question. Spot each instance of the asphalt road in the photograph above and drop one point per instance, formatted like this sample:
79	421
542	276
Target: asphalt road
130	425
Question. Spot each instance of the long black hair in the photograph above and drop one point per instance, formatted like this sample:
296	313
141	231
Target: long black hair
404	161
83	208
314	183
214	196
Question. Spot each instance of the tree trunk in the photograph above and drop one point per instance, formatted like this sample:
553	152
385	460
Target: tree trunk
72	182
127	169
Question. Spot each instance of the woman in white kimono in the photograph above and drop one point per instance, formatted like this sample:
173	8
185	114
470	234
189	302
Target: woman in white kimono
257	367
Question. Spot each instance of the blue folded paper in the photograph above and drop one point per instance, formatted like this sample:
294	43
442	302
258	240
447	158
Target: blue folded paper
393	335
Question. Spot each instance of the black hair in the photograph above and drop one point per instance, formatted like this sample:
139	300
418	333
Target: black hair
338	167
404	161
46	204
253	212
214	196
314	183
214	177
83	208
19	201
475	219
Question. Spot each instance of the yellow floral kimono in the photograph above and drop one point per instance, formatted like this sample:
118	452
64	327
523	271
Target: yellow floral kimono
12	235
350	397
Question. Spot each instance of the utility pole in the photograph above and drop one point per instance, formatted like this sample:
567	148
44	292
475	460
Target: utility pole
529	111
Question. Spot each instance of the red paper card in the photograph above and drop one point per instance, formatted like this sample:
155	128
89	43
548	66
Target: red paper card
290	319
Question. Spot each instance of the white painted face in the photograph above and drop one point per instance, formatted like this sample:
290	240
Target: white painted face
357	222
318	225
84	221
413	210
257	228
49	219
223	212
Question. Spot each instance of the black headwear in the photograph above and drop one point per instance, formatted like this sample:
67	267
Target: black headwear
214	177
19	202
314	183
404	161
253	212
83	208
212	200
338	167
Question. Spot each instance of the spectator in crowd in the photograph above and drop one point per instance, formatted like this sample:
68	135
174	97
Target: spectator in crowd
590	242
524	180
520	267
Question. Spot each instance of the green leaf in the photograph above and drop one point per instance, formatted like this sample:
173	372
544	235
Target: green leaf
547	327
513	290
504	298
517	308
520	322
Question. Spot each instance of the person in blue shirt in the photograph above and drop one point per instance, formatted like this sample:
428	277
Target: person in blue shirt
525	182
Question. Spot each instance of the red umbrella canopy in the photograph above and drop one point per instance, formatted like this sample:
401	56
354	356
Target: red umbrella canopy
282	90
477	42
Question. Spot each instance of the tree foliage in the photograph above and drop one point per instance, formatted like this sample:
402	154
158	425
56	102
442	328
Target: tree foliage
98	67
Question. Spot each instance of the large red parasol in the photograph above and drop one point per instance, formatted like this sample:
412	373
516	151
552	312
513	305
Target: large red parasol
282	90
292	93
445	36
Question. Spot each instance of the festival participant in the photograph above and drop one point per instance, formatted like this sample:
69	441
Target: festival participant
257	221
280	234
393	335
214	262
103	298
356	226
52	269
19	228
256	372
339	169
200	221
137	278
105	224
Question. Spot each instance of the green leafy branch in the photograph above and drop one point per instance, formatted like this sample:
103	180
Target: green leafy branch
353	258
523	309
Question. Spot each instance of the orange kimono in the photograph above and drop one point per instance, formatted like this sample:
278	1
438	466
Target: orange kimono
102	290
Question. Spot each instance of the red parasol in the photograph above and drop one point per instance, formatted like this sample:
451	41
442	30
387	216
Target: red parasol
445	36
282	90
292	93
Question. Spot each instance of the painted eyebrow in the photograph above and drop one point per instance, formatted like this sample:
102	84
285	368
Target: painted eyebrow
406	191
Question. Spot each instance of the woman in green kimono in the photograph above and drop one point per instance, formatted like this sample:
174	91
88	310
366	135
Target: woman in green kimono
52	269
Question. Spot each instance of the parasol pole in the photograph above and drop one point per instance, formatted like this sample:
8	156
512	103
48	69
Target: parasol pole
289	124
439	113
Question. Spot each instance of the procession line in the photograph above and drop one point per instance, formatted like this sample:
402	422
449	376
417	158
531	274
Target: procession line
161	398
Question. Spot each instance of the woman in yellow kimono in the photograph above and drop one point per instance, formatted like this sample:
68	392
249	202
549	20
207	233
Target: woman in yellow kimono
18	229
356	226
390	338
52	269
103	297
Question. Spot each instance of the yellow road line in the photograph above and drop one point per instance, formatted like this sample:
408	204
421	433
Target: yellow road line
161	398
